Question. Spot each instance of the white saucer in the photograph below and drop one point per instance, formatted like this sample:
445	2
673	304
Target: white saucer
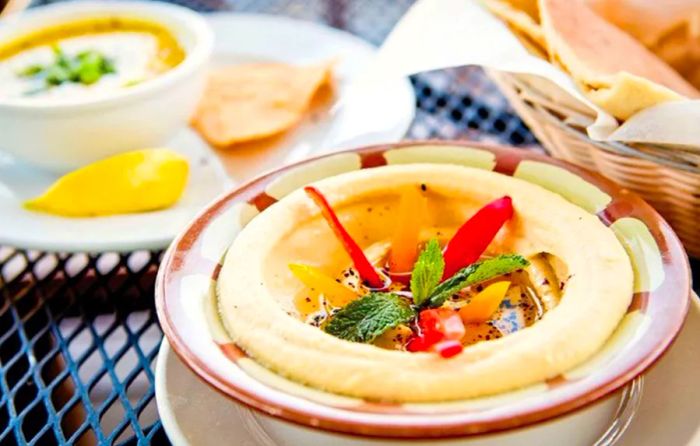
192	413
378	114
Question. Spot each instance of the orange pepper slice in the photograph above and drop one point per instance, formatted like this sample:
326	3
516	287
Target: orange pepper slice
404	243
337	294
483	305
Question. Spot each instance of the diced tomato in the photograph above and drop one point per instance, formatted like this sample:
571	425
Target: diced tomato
448	349
440	330
441	323
417	344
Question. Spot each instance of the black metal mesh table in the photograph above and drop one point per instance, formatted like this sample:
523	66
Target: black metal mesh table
78	333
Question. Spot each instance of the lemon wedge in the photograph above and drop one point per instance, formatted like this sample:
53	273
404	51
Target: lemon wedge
138	181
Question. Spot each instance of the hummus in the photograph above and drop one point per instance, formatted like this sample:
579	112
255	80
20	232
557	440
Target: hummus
258	294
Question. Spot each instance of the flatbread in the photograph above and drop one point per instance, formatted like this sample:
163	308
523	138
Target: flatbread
524	23
679	47
529	7
614	71
243	103
671	30
645	20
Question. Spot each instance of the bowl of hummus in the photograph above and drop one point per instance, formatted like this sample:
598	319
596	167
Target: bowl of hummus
426	290
82	81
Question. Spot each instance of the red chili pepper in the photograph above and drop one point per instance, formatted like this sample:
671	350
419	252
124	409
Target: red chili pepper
440	330
475	235
362	265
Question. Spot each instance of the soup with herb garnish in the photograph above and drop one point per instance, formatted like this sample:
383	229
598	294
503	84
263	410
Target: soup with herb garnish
79	59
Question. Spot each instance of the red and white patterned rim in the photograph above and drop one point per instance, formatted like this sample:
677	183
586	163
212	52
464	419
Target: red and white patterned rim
659	307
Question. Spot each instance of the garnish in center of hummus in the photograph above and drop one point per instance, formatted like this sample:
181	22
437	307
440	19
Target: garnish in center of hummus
439	306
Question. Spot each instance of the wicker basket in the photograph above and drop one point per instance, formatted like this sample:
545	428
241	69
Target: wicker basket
669	180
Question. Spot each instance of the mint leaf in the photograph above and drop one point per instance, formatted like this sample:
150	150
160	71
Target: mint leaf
475	273
366	318
427	272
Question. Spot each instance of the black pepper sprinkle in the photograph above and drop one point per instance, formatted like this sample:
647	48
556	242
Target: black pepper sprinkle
338	280
561	285
479	287
369	209
423	187
545	282
308	299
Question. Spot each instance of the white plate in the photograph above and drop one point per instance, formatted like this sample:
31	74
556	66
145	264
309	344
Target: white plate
192	413
373	114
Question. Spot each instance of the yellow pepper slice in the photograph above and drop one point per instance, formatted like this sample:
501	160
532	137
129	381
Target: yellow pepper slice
337	294
404	243
483	305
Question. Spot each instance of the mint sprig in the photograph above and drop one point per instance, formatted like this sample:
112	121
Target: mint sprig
364	319
427	272
475	273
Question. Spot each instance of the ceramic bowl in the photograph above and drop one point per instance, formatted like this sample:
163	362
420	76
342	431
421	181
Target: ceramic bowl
186	305
60	136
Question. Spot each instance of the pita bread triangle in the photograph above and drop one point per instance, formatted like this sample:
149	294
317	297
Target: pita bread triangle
614	70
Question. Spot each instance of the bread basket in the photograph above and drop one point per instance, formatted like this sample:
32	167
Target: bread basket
669	179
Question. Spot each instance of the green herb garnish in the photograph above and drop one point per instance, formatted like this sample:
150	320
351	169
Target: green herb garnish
427	272
475	273
369	316
86	67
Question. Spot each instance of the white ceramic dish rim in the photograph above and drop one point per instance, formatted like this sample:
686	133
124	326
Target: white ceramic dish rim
203	44
630	399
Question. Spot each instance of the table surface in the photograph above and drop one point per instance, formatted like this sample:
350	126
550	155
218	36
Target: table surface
78	333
